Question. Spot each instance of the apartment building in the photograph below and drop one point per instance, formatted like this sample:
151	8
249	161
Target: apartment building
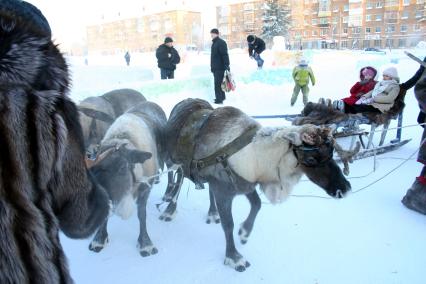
145	32
333	23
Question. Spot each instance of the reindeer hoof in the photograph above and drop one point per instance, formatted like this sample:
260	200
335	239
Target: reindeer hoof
96	246
239	266
147	251
167	217
213	217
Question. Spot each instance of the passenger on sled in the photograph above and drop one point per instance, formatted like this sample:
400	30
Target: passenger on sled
381	98
365	84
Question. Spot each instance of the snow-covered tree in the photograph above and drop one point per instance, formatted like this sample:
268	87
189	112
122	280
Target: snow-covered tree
276	19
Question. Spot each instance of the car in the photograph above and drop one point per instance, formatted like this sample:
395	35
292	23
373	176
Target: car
373	49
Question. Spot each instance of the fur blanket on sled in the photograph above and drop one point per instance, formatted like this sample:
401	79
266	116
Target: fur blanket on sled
319	114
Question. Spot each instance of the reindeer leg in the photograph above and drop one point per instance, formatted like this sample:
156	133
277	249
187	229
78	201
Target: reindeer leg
224	194
146	248
170	211
247	226
212	215
101	238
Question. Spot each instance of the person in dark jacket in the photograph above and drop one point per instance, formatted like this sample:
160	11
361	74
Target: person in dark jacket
219	62
415	198
168	58
127	58
256	46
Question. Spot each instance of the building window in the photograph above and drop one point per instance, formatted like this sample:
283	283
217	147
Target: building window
335	20
379	4
345	19
378	29
367	18
366	43
367	30
391	3
314	22
406	2
401	42
344	44
378	17
356	30
390	29
314	33
345	30
369	5
323	21
404	28
405	15
305	33
416	27
377	43
346	7
419	13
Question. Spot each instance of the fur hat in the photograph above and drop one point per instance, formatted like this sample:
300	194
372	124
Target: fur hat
250	38
168	39
27	12
391	72
214	31
368	72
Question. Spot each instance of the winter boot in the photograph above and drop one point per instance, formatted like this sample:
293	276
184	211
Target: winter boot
321	101
339	105
415	198
328	103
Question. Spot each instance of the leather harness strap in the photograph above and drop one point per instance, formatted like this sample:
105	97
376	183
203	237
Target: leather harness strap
221	156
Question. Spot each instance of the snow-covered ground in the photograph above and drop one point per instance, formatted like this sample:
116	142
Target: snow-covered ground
368	237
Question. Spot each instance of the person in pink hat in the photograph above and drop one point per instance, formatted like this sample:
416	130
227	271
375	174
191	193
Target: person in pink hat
365	84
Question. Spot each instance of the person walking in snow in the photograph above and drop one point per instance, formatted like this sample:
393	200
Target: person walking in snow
415	198
365	84
219	62
127	58
168	58
301	75
256	46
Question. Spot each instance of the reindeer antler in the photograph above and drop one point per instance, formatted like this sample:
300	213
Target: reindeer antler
346	156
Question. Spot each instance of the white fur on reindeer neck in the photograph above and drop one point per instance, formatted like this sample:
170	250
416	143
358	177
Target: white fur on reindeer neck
270	161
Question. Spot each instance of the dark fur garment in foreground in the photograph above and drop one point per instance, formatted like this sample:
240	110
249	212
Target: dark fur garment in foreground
44	184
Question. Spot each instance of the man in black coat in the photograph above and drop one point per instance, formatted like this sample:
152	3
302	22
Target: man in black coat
256	46
167	57
219	62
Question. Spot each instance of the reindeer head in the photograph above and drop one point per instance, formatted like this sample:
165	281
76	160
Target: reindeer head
113	169
313	147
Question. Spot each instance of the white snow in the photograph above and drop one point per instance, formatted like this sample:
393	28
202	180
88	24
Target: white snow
367	237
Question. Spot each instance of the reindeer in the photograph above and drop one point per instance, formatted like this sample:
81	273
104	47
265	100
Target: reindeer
130	156
98	113
273	158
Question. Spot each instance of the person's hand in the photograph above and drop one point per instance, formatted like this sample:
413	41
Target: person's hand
169	55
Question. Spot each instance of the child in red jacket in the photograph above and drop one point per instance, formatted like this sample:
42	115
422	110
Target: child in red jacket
363	86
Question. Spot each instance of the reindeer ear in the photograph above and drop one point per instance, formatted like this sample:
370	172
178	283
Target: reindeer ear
293	137
136	156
